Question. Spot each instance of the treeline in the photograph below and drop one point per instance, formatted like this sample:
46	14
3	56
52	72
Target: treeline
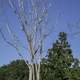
59	64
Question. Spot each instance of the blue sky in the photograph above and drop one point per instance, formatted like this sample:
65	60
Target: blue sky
63	15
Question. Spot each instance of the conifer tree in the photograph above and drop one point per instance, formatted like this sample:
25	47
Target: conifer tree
59	59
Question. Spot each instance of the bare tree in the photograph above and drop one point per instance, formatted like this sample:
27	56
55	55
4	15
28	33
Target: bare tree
33	25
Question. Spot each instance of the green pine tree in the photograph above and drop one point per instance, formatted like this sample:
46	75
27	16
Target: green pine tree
59	60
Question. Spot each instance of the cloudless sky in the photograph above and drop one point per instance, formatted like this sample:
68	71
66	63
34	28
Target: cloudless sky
63	15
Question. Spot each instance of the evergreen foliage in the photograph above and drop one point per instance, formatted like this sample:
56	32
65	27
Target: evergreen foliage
59	66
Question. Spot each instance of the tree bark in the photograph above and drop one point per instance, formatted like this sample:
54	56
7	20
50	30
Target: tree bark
30	72
34	72
38	72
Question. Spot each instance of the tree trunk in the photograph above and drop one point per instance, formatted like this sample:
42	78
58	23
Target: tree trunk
30	72
34	72
38	72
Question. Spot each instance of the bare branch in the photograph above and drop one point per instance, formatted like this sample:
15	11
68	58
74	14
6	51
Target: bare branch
34	29
11	44
21	4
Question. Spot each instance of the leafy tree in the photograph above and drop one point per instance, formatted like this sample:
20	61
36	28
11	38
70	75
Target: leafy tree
16	70
57	66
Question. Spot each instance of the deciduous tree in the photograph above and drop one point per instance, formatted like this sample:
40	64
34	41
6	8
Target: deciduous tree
33	25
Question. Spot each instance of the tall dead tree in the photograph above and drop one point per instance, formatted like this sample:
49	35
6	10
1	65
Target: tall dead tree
35	30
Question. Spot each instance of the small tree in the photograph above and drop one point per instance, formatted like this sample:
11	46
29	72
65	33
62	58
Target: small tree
35	30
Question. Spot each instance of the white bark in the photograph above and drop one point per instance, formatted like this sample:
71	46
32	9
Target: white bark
33	74
30	72
34	36
38	72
